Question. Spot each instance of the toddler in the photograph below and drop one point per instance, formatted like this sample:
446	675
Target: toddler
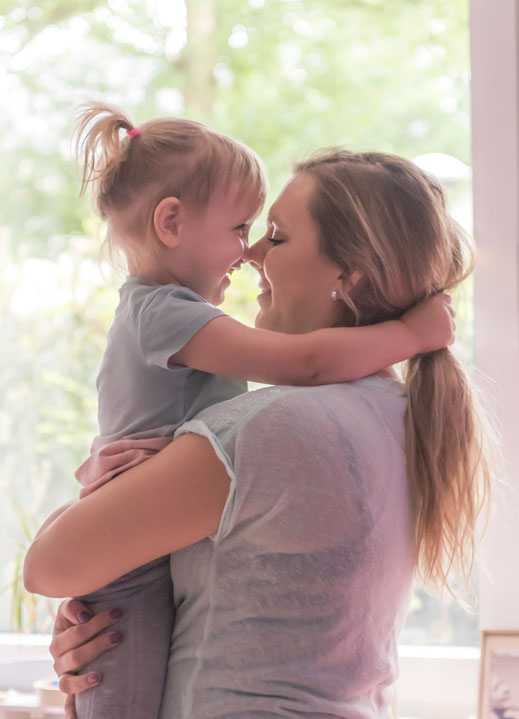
179	200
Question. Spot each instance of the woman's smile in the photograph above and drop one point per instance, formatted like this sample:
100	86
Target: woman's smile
264	286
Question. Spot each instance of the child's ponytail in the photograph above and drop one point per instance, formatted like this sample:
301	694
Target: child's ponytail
99	142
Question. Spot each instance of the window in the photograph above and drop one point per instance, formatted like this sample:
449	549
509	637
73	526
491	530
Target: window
286	77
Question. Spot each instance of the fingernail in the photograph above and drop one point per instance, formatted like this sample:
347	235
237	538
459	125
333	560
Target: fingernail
115	637
115	614
94	678
84	616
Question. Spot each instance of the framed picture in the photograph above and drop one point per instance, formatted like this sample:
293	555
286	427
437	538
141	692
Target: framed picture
499	676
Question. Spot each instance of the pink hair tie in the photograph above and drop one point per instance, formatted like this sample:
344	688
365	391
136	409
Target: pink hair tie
133	132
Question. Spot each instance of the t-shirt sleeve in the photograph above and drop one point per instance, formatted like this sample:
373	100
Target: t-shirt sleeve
196	426
168	319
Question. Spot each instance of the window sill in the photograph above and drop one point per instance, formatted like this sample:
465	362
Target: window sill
23	647
436	682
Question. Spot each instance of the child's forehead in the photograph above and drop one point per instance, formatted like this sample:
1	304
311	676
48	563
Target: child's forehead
244	199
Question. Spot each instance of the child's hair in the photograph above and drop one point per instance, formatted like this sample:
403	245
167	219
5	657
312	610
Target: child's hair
381	216
167	157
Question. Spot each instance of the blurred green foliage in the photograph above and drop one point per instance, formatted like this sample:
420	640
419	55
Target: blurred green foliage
284	76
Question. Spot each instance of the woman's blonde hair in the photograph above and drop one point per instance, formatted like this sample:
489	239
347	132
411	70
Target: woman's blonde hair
381	216
167	157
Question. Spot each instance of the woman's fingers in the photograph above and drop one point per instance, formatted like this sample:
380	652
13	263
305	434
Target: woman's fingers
73	636
70	707
80	637
70	613
76	657
75	684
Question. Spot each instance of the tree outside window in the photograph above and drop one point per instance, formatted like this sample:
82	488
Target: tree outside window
286	77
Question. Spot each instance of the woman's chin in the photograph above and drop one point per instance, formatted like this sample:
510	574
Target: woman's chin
259	321
263	300
264	320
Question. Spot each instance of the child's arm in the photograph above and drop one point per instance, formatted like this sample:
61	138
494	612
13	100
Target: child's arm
226	347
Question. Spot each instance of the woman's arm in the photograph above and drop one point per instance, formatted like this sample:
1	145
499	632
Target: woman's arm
172	500
227	347
57	512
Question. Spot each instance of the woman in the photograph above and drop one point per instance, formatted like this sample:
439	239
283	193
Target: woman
295	516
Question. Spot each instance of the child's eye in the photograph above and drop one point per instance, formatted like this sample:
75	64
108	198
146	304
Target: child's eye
241	229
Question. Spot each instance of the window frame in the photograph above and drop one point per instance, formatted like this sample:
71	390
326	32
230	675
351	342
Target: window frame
441	682
495	143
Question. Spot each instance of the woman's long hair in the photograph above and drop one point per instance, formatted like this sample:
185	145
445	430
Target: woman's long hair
381	216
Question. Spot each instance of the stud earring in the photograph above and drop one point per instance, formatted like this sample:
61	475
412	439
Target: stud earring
335	296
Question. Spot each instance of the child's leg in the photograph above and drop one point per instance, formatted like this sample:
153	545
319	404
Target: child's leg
134	672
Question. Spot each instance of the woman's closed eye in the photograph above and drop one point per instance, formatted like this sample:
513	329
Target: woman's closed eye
275	240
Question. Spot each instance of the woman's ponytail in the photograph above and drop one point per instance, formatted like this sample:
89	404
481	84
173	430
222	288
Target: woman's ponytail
447	469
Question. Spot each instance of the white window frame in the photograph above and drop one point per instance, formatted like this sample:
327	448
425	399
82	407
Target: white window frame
495	129
441	682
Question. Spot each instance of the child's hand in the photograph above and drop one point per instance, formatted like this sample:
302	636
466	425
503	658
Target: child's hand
432	323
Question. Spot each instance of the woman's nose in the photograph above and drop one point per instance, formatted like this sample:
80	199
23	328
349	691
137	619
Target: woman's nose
256	254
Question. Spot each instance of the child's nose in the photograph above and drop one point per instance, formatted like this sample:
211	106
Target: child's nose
245	252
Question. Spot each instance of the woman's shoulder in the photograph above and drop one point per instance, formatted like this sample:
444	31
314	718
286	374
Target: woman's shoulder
352	406
369	393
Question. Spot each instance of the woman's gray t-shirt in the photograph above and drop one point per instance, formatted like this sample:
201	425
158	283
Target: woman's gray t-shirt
294	607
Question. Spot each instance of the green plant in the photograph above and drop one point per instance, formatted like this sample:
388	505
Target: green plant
29	612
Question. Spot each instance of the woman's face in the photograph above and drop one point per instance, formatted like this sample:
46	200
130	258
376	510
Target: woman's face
296	278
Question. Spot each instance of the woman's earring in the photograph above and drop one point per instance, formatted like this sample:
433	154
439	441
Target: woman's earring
335	296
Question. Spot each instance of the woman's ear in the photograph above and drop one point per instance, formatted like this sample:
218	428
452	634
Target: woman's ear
165	221
346	284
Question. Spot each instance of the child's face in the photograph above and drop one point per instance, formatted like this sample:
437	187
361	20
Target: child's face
215	241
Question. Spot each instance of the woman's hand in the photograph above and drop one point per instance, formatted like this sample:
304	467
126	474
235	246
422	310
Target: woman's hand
432	323
79	638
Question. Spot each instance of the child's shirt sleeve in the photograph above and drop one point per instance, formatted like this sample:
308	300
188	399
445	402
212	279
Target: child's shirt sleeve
168	319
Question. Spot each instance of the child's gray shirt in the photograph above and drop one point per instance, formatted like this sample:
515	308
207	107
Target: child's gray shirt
141	394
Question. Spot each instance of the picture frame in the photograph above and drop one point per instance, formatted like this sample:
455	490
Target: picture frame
499	675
